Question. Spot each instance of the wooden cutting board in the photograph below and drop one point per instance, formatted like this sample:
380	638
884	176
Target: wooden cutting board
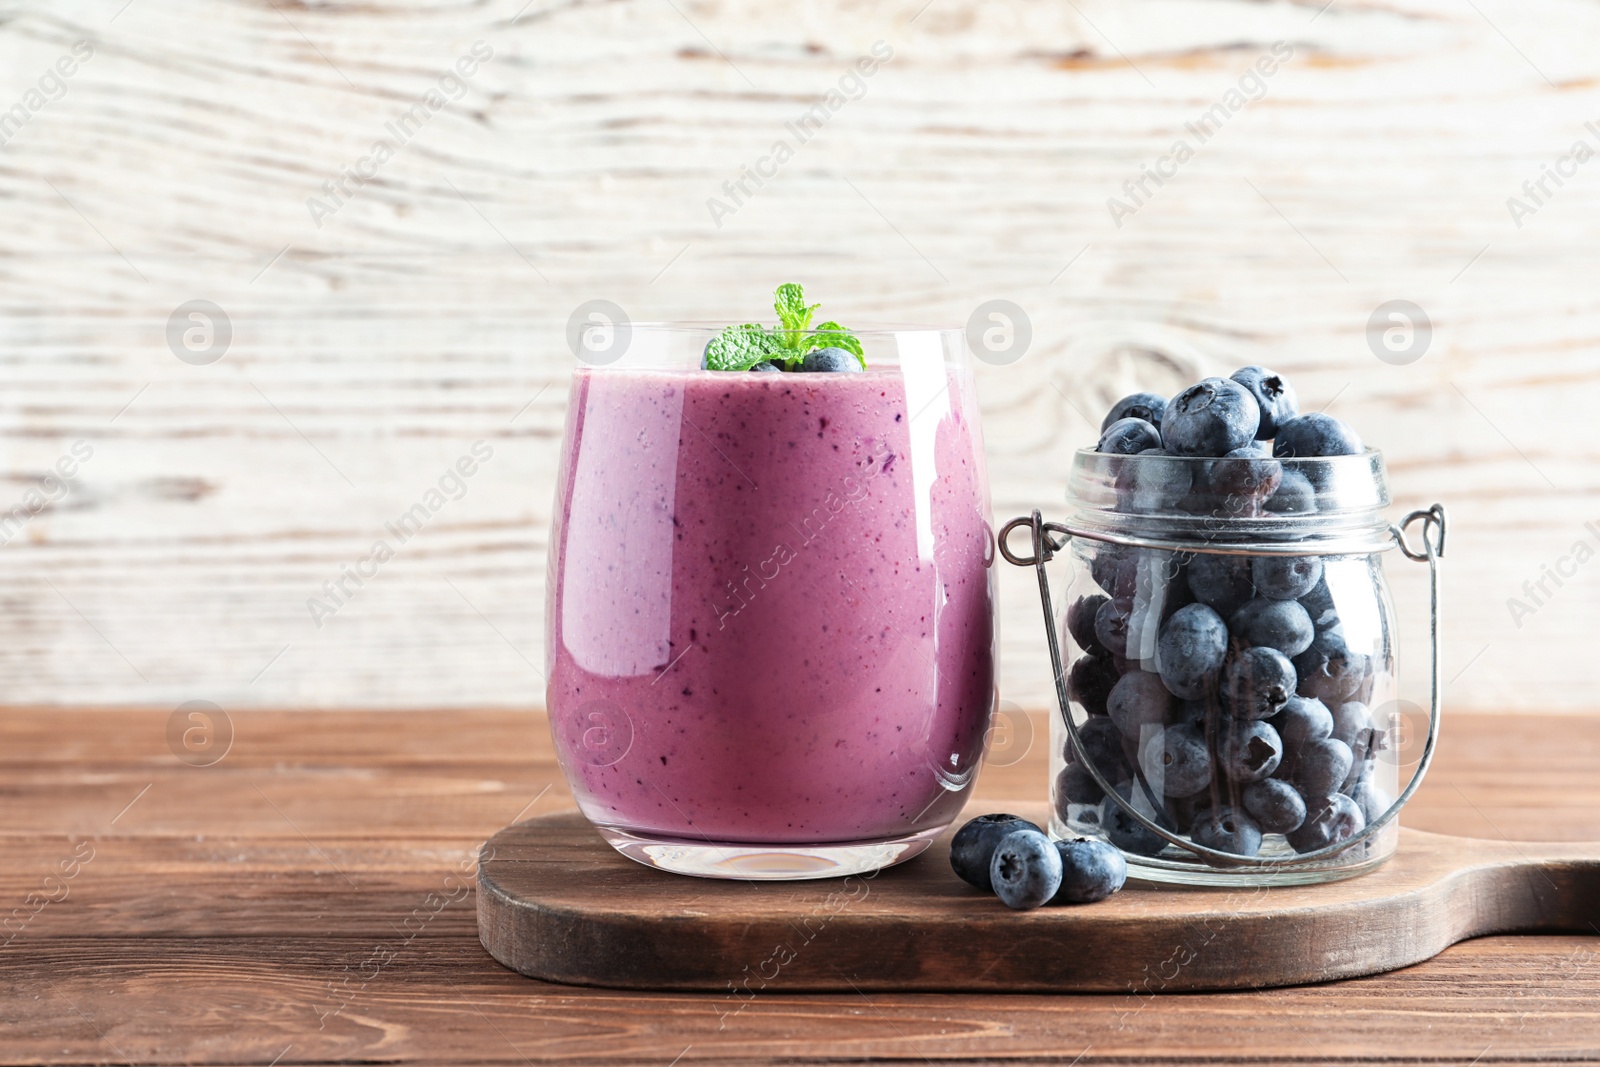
556	902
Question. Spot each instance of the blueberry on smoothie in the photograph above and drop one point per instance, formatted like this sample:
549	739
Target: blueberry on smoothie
1090	871
831	361
1273	395
1227	830
1129	437
793	345
1275	805
1315	434
1025	869
1280	624
1211	418
973	846
1257	683
1146	406
1285	577
1191	649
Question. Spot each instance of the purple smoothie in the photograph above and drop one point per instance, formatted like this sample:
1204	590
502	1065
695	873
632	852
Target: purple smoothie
772	617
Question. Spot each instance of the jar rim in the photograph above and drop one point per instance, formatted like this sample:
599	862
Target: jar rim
1335	500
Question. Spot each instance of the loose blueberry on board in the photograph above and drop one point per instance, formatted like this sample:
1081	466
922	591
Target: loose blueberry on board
1257	683
1329	820
1211	418
1090	871
1275	805
1089	682
1328	670
1139	699
1273	395
766	366
830	361
1126	832
1128	437
972	847
1295	495
1303	719
1315	434
1111	625
1176	761
1318	768
1222	583
1191	649
1080	622
1153	482
1025	870
1146	406
1249	751
1285	577
1280	624
1227	830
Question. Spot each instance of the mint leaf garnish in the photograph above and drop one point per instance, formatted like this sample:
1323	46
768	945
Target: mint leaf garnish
742	347
739	348
832	335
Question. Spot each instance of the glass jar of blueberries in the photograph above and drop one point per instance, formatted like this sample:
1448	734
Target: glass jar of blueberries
1226	698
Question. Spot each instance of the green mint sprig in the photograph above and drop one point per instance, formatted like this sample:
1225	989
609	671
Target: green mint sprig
739	348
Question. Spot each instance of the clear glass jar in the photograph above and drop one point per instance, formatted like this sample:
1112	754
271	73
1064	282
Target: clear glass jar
770	614
1231	667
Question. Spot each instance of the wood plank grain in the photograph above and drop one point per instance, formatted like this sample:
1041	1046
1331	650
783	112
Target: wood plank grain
427	313
1497	1000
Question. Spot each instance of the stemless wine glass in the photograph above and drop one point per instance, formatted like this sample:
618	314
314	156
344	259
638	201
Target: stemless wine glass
770	610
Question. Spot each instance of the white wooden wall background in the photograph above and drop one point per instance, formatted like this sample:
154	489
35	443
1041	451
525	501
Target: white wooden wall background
372	351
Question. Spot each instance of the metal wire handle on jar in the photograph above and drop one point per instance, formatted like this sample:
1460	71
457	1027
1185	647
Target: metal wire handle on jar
1051	537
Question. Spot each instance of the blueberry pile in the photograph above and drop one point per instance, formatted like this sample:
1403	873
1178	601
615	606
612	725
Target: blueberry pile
1223	701
1229	422
1016	861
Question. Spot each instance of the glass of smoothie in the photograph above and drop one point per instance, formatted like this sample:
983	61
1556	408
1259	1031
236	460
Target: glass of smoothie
770	611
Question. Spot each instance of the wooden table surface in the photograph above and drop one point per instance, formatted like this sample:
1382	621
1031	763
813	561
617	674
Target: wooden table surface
304	900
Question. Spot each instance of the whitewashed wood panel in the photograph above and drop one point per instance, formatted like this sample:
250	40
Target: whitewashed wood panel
427	313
